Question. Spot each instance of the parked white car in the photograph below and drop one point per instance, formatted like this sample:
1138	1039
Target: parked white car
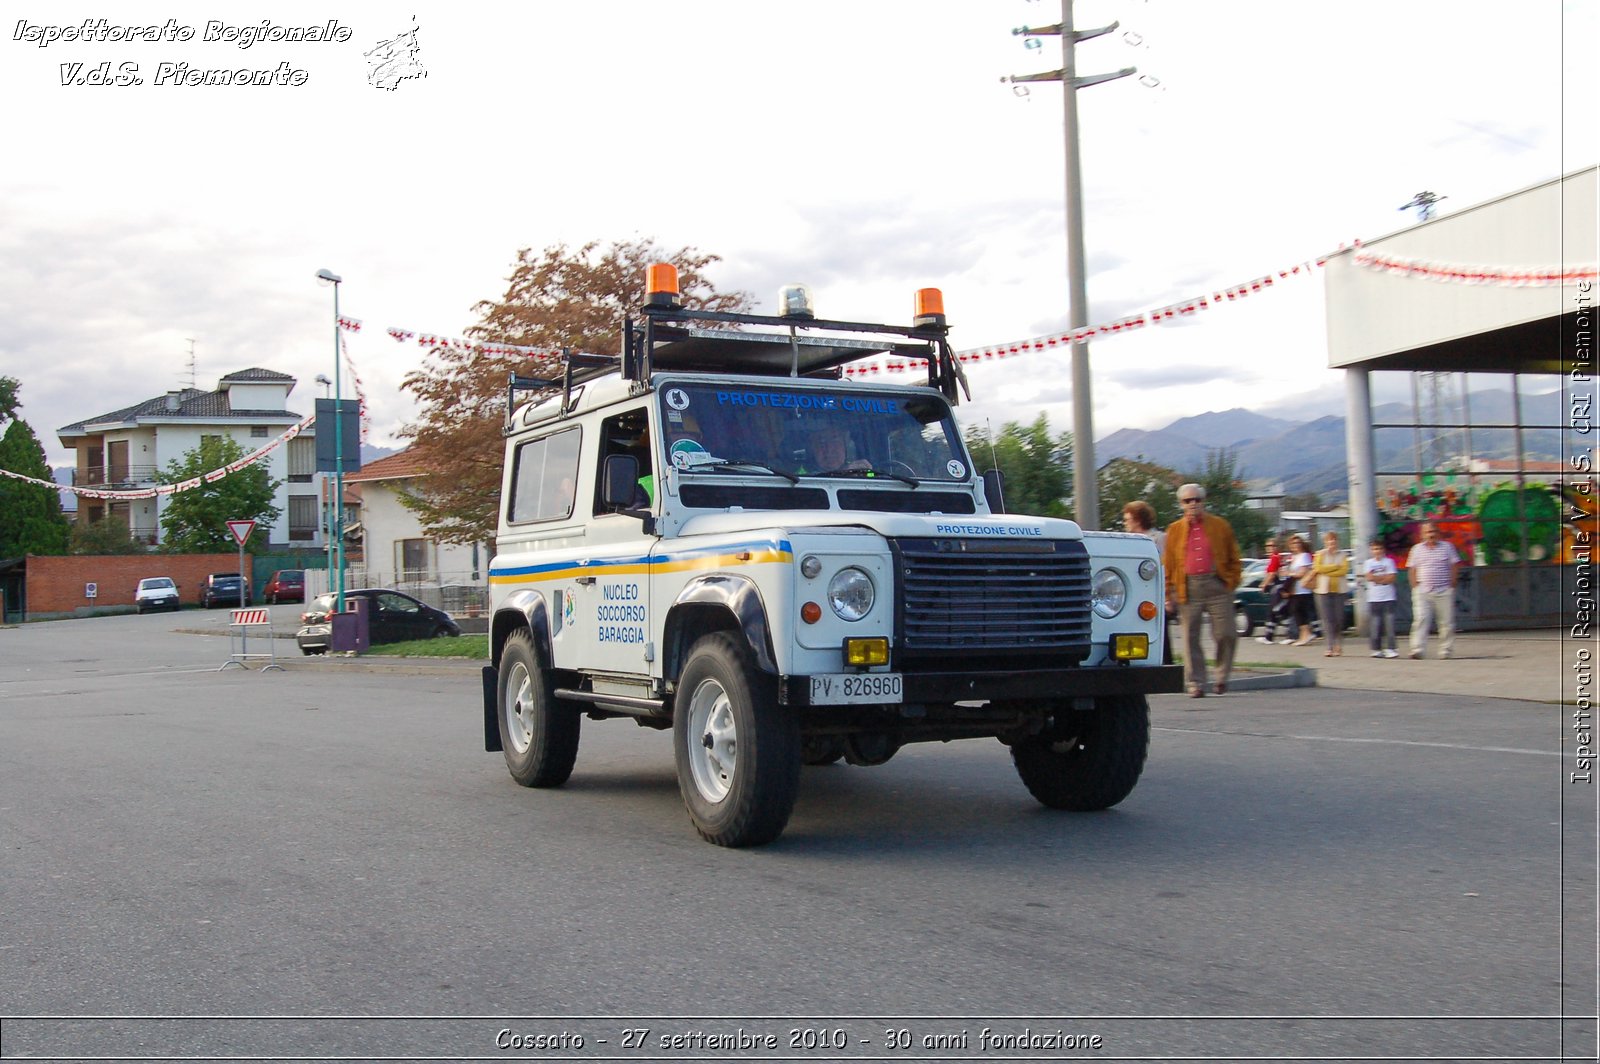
156	593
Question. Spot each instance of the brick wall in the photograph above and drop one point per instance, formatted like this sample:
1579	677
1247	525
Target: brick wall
56	584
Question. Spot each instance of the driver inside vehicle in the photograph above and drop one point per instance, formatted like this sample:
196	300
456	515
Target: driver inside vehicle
830	450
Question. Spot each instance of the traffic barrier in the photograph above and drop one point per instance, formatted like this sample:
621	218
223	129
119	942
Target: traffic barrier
239	628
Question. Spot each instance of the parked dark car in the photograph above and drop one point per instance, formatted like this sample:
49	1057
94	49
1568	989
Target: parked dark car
286	585
392	617
224	589
155	593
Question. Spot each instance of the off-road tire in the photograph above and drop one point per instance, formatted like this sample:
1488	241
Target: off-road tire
737	750
1088	759
538	732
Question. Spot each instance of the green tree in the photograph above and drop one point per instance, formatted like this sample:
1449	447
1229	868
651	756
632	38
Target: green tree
1124	480
557	298
110	535
1036	468
31	521
196	521
1225	497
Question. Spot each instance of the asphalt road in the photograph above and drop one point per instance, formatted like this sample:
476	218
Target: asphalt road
1299	873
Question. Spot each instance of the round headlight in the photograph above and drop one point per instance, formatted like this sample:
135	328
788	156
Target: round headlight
810	566
850	594
1109	594
1148	569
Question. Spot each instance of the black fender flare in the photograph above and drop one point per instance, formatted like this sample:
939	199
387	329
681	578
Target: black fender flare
733	593
525	608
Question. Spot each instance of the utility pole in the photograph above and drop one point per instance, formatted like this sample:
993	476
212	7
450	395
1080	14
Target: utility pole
1085	489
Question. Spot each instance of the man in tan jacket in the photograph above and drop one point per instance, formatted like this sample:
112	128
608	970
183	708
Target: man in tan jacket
1202	566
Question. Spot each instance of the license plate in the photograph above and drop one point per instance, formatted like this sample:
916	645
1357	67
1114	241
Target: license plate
857	688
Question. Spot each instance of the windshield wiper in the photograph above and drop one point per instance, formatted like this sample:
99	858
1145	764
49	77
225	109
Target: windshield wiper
868	472
696	464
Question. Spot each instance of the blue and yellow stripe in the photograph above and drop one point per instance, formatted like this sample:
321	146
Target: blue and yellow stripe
722	556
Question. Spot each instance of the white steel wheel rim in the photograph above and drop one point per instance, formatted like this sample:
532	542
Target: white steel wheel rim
519	708
713	741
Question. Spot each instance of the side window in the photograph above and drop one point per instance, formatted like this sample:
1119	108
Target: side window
396	604
627	433
544	478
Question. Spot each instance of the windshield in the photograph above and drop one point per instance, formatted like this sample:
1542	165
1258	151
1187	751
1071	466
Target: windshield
832	429
152	584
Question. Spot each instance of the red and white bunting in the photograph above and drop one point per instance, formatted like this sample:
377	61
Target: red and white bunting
170	489
1498	276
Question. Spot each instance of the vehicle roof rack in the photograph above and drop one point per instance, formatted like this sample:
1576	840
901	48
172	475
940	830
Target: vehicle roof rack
574	368
676	338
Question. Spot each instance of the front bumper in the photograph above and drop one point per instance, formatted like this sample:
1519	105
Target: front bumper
1026	684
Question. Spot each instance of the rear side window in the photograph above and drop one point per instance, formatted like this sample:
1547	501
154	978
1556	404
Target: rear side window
544	478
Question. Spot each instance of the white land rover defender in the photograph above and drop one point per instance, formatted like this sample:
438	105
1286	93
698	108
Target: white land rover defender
721	534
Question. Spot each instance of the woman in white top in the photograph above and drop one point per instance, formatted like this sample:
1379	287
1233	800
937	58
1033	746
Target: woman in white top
1299	567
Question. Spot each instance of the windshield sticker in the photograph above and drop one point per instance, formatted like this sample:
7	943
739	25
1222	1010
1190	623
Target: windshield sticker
956	470
678	399
682	451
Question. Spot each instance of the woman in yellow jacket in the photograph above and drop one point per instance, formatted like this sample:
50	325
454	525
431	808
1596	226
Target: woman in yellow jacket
1330	568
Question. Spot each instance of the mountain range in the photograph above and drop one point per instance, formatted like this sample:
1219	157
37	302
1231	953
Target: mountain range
1306	457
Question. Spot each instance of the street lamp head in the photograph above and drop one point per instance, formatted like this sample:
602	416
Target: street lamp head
328	277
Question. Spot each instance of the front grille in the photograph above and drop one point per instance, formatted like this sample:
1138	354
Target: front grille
1024	601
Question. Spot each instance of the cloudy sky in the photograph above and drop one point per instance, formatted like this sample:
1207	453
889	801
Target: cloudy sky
867	149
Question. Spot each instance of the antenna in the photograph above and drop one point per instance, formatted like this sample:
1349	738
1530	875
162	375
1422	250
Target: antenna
193	364
994	458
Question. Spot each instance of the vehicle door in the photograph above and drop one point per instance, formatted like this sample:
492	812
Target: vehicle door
608	620
399	619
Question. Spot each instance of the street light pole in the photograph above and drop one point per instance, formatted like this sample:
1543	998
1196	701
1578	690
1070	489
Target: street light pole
329	277
323	501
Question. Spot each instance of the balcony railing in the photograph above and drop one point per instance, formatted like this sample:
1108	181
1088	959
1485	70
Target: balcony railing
114	474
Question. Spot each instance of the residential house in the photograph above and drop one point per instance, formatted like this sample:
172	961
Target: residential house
126	448
396	550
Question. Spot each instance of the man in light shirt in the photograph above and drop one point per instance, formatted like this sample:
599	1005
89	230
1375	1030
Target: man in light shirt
1432	566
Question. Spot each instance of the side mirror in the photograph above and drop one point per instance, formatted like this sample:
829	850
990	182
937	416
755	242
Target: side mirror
994	484
620	482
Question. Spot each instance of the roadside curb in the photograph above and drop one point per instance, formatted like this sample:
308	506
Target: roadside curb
1272	681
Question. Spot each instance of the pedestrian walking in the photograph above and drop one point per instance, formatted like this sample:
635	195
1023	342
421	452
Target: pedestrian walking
1202	567
1331	567
1379	571
1433	566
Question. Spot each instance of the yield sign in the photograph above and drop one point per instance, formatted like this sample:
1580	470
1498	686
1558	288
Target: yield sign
241	530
